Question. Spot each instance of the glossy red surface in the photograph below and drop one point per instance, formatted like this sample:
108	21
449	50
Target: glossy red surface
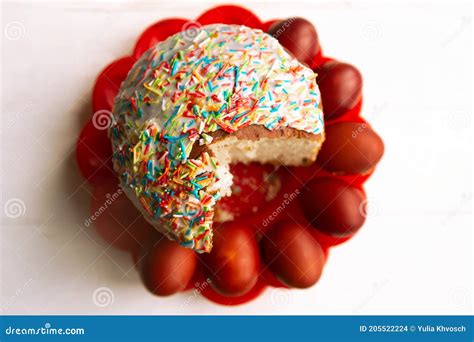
230	14
108	83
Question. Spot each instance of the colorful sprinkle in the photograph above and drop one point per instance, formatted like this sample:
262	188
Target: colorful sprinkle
177	95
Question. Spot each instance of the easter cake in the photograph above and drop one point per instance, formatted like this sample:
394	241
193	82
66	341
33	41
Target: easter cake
199	101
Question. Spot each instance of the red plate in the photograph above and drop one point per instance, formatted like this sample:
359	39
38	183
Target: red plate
230	14
93	154
93	149
215	297
108	83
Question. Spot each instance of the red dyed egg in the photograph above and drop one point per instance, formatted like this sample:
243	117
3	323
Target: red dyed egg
293	255
298	36
341	88
116	219
350	148
333	206
234	261
166	267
